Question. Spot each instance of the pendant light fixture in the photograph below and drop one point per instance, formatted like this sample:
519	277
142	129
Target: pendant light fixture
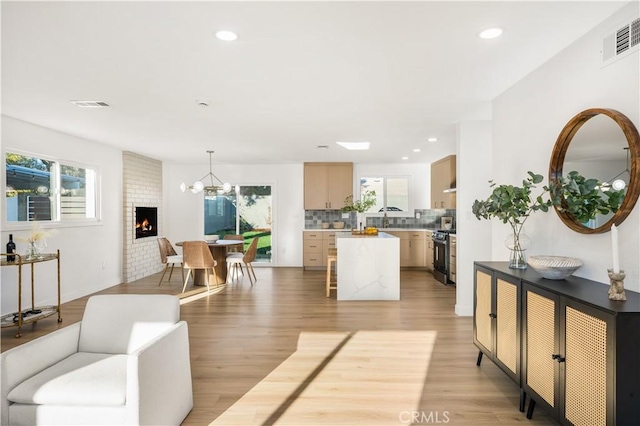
617	183
214	184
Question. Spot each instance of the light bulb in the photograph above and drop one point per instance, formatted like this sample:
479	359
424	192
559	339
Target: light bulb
183	187
198	186
226	187
618	184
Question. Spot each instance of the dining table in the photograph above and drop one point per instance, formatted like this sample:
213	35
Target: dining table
219	251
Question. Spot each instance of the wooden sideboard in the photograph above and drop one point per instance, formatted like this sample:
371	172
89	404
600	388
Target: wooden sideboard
564	343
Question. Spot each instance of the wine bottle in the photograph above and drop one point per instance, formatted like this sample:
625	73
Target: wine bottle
11	249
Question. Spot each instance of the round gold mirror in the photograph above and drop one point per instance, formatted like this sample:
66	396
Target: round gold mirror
602	144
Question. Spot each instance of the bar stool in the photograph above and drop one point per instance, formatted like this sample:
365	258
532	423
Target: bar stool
332	257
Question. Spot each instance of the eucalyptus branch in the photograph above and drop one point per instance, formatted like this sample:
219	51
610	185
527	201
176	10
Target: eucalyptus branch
582	197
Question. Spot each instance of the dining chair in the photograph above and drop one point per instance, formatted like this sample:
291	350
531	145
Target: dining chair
168	256
196	255
235	249
235	262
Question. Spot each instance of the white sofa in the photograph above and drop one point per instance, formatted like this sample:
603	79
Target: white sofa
126	363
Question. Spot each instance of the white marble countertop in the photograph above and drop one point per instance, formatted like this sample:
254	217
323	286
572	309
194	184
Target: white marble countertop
350	235
379	229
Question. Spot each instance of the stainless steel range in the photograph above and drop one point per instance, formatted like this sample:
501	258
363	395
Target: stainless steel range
441	255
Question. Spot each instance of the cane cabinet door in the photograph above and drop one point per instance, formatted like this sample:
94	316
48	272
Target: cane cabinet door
507	340
588	367
541	345
483	315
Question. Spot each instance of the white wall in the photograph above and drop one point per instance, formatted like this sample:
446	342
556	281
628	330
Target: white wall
83	249
474	237
527	119
184	212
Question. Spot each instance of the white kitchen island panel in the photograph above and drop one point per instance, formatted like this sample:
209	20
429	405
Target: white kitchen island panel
368	267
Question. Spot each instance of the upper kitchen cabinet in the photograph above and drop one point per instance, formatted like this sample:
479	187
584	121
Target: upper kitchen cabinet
326	185
443	178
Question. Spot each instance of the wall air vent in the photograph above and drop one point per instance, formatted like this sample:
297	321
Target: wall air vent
90	104
620	42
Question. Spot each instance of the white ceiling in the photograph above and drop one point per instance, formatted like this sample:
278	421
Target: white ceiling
301	74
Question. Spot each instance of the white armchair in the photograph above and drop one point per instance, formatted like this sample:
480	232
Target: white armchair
126	363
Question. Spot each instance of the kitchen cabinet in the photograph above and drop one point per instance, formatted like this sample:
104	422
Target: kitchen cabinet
443	177
326	185
453	254
575	350
413	247
316	245
429	250
418	249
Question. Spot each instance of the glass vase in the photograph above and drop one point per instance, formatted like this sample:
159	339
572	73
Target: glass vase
517	242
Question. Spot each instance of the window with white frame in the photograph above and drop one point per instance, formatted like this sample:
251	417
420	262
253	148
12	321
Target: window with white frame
44	189
392	193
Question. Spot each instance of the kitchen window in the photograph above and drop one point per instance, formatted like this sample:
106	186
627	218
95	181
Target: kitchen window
39	189
392	193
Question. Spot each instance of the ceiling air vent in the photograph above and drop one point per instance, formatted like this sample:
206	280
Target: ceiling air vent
620	42
90	104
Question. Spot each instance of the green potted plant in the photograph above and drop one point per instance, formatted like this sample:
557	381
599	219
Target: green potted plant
361	206
582	197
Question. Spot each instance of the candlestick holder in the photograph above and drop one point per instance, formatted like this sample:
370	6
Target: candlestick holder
616	291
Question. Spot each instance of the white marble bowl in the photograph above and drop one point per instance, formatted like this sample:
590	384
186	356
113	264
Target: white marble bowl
554	267
338	225
211	238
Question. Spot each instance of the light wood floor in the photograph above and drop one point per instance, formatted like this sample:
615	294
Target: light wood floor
242	334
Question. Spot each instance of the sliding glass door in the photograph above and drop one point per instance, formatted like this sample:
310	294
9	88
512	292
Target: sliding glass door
245	210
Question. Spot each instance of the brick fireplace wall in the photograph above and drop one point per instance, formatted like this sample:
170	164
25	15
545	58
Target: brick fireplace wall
142	187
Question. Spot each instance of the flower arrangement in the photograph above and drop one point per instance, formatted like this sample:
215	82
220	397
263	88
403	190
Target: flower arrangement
37	240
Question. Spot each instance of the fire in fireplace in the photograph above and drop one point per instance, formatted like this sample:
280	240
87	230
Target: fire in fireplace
146	222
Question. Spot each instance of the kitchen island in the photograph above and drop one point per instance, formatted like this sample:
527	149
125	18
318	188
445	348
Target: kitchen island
368	266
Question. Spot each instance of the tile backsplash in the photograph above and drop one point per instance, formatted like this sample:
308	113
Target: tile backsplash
429	219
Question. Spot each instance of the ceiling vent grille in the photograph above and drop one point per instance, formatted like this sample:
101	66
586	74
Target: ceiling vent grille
90	104
620	42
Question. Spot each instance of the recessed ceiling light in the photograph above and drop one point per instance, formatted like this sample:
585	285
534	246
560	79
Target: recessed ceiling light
226	35
354	146
491	33
90	104
405	158
416	150
432	140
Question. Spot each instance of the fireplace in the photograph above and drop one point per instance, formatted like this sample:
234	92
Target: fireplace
146	222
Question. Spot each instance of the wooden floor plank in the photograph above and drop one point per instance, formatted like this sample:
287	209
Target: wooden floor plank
242	334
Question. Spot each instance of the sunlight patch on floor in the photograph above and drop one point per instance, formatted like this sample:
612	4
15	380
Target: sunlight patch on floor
333	377
193	295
